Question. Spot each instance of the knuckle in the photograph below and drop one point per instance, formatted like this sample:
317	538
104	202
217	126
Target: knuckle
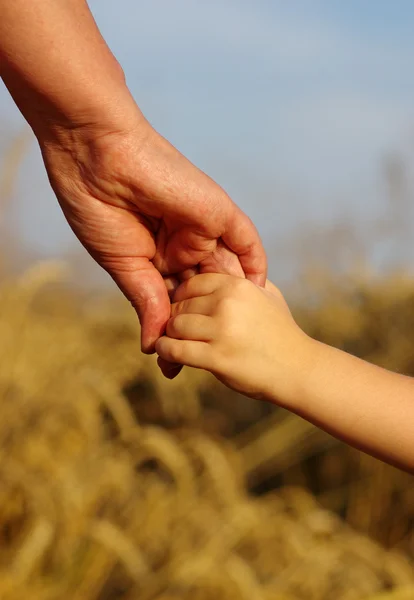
227	303
235	291
229	310
187	288
173	326
175	309
230	329
179	308
241	285
161	347
176	353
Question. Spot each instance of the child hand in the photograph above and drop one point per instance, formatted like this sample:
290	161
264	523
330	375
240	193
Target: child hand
243	334
247	338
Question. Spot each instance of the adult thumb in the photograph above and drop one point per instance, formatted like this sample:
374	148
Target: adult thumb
144	287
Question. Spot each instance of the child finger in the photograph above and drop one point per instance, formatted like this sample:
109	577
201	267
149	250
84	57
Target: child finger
192	354
191	327
200	285
202	305
171	283
188	273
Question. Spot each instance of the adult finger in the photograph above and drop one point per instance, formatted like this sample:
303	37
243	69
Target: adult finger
144	287
124	247
168	369
242	237
222	260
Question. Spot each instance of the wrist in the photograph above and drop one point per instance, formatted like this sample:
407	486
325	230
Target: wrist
289	383
90	116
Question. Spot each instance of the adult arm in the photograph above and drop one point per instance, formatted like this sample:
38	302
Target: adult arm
57	66
141	209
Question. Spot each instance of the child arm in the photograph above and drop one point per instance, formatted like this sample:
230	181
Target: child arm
248	339
362	404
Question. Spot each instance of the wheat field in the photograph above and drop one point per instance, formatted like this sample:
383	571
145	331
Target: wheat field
118	484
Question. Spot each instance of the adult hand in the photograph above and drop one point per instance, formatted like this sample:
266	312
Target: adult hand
144	212
141	209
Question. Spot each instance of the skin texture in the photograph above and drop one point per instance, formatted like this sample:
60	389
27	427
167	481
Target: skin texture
144	212
141	209
247	337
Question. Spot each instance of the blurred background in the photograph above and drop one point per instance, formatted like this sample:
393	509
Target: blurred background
117	484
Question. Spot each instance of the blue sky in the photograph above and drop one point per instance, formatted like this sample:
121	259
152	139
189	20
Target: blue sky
291	106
